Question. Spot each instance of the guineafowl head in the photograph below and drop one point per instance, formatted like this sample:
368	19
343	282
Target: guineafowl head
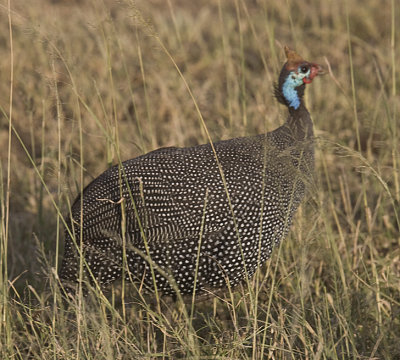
294	76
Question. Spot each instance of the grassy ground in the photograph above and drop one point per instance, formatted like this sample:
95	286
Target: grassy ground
97	81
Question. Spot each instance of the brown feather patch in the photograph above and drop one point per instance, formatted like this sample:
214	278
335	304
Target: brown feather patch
293	58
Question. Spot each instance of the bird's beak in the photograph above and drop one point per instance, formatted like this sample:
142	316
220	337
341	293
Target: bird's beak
315	70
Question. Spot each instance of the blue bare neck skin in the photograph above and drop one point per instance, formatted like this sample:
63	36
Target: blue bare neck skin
290	93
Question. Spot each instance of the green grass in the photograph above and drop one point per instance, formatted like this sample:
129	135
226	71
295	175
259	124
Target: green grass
95	82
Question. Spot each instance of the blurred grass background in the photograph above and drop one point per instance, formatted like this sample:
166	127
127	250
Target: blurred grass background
93	82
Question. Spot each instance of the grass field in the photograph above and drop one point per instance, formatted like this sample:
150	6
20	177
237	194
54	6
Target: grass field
96	82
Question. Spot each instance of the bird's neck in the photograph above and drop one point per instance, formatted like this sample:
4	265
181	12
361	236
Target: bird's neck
300	123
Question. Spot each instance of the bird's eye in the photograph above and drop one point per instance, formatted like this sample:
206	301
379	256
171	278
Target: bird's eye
304	69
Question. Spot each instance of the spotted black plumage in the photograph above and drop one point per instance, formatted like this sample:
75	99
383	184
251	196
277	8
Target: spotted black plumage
193	212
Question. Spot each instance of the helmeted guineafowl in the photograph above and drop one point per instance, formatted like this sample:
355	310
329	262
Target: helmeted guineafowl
199	216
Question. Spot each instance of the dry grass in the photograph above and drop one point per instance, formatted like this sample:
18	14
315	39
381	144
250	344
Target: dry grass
93	83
